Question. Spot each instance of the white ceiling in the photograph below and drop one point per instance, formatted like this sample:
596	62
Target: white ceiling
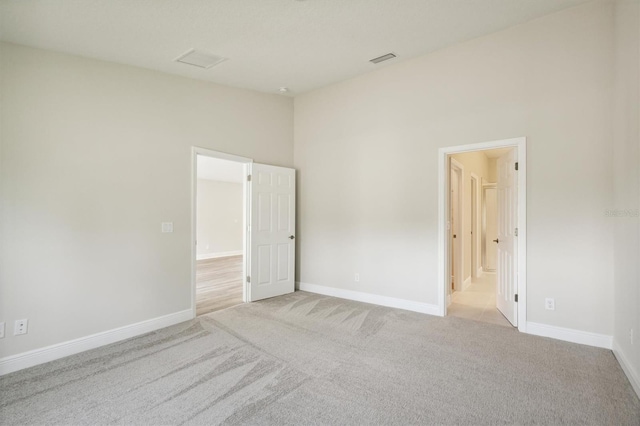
219	170
302	45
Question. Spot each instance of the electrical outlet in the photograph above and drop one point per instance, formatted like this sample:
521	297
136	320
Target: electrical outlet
356	278
20	327
550	304
1	330
167	227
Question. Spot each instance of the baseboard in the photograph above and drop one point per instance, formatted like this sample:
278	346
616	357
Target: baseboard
375	299
570	335
60	350
219	254
627	367
466	283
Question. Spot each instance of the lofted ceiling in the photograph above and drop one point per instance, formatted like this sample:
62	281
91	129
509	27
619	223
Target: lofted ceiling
301	45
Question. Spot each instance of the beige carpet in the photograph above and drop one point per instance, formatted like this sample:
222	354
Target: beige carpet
306	359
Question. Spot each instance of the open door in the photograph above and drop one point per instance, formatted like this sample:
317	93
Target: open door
507	273
271	270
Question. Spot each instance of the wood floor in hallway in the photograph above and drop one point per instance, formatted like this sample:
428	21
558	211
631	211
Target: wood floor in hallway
218	284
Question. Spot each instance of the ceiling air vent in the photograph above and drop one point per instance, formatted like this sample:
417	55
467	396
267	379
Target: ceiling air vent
200	59
382	58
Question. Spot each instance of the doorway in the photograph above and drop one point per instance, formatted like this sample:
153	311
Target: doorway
220	225
503	291
267	257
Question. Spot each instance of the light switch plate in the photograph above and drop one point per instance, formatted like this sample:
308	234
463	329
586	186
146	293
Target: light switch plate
167	226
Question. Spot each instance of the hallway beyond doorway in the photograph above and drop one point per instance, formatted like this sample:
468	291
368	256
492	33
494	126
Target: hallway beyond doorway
478	301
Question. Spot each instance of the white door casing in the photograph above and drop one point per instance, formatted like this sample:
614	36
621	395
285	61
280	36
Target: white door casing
507	274
271	232
444	242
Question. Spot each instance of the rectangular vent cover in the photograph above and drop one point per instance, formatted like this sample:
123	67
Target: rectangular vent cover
382	58
200	59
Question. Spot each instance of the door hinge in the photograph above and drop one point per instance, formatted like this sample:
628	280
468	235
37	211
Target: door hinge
516	232
516	298
248	279
516	165
248	178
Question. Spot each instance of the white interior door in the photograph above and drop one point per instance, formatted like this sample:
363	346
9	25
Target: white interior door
506	241
454	224
271	232
491	228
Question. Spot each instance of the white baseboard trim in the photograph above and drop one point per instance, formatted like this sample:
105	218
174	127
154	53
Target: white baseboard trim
219	254
570	335
60	350
374	299
466	283
627	367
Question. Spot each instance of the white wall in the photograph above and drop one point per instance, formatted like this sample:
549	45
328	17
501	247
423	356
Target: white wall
367	154
627	186
95	155
219	218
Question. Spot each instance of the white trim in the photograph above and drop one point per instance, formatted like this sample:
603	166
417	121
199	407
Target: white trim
60	350
221	155
392	302
627	367
219	254
443	244
570	335
466	283
195	151
480	271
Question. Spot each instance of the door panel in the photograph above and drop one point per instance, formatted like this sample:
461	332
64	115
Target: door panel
507	222
272	223
491	229
455	229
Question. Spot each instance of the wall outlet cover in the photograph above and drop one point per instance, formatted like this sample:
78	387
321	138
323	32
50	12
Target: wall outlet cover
550	304
20	327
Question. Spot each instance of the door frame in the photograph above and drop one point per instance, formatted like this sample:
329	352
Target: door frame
195	151
443	212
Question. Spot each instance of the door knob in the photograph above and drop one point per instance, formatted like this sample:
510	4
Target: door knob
291	237
496	241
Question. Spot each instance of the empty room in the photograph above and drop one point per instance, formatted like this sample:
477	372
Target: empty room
320	212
